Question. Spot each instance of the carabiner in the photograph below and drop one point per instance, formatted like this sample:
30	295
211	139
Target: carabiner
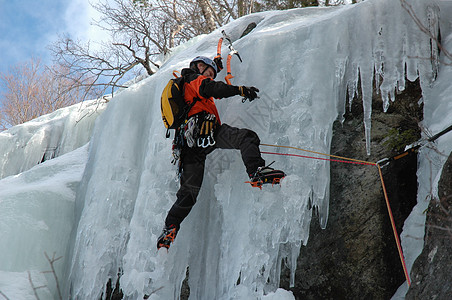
205	142
210	140
202	143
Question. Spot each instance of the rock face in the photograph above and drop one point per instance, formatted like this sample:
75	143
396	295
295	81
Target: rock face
432	272
356	256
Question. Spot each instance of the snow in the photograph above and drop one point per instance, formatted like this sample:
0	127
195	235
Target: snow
36	217
16	285
25	145
102	208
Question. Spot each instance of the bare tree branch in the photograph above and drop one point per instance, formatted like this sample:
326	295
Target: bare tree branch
141	31
209	14
30	90
3	295
52	271
136	42
409	8
35	289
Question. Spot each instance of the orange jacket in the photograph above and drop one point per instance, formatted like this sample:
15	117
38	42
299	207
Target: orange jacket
203	90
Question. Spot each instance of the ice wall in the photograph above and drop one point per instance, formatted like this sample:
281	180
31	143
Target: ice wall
24	146
304	62
432	156
36	218
41	164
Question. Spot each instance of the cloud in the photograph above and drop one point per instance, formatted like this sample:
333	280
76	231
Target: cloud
76	18
79	17
29	27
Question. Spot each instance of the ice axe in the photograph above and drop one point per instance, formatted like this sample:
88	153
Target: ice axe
414	147
232	52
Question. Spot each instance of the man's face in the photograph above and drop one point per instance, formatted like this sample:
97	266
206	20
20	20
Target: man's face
206	70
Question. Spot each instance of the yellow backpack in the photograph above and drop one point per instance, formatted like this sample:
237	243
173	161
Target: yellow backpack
172	103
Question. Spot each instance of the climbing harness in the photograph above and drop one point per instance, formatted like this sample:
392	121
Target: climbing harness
341	159
206	142
208	125
199	129
178	143
191	131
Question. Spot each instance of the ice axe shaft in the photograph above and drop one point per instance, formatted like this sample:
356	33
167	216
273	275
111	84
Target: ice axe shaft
228	65
228	68
220	42
232	52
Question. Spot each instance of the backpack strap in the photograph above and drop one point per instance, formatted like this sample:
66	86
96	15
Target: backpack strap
177	74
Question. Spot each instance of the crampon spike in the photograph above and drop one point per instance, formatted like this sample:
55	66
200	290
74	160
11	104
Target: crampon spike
167	238
257	184
260	183
277	181
163	246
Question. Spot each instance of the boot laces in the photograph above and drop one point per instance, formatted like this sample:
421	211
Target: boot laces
265	168
262	170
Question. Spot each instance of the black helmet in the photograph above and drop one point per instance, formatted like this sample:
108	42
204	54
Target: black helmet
205	60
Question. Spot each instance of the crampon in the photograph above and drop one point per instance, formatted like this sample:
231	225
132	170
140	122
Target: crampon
266	175
260	183
167	237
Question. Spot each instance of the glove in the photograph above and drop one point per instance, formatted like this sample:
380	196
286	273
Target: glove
219	62
249	92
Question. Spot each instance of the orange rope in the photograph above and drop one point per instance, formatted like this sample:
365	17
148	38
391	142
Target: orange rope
391	217
319	153
396	236
321	158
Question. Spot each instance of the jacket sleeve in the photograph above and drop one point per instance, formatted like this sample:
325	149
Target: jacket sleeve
217	89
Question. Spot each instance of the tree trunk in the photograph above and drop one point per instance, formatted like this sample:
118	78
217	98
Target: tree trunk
208	14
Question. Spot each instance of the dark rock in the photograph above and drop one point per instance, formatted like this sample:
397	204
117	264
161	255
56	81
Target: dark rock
248	29
356	256
113	293
431	274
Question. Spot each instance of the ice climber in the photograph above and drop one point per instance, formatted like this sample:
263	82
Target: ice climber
203	133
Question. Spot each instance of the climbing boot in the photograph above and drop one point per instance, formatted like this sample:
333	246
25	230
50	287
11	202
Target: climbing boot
167	237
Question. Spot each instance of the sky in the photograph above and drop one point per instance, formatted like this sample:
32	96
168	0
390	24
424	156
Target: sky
28	27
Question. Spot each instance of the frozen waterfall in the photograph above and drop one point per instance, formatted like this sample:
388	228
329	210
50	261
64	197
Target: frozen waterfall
305	62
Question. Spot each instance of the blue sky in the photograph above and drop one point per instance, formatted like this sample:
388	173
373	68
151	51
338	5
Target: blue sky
28	27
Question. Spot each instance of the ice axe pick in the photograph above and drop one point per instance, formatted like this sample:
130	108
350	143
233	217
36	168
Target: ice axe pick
232	52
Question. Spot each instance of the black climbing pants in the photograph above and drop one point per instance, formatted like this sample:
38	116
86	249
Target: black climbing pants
193	161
